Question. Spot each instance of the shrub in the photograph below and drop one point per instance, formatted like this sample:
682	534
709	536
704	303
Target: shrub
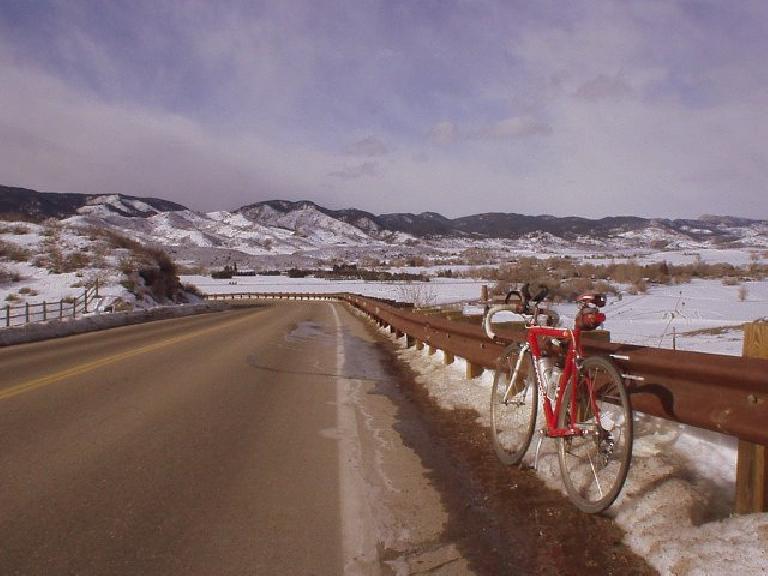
14	252
641	286
192	289
12	298
51	227
7	276
27	291
75	261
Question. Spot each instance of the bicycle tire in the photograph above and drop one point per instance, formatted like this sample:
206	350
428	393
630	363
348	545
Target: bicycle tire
514	421
594	466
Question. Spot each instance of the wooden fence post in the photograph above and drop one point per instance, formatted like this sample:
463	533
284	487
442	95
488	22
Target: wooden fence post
45	306
26	312
447	357
85	302
7	315
752	466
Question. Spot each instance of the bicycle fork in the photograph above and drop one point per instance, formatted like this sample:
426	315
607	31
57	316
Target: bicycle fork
513	380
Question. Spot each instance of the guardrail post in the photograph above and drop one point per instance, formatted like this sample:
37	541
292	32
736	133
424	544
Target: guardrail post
473	370
752	465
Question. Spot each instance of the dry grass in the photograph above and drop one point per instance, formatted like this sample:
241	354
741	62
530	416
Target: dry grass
714	331
14	252
8	276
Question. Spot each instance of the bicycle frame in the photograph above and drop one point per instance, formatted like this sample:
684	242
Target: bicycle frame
570	371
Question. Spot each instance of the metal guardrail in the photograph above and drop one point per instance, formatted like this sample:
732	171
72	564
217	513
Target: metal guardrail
726	394
31	312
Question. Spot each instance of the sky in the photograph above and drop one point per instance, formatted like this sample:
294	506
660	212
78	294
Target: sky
587	108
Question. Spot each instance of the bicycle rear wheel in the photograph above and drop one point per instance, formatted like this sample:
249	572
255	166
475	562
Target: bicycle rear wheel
594	465
514	406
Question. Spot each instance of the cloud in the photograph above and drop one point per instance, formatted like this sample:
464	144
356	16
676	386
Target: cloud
515	127
368	147
444	132
604	87
366	169
639	107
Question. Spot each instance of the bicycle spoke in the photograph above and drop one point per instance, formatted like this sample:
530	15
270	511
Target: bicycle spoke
594	465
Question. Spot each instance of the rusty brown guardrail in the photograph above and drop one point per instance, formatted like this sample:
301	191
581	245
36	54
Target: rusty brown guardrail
726	394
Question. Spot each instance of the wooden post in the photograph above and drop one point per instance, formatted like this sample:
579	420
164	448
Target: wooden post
448	357
74	308
409	341
752	464
431	350
26	312
7	315
419	345
484	293
45	306
61	308
85	302
473	370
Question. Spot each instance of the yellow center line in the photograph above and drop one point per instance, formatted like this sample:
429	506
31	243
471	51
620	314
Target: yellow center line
88	366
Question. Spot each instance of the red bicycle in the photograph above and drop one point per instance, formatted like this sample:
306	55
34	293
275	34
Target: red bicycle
584	401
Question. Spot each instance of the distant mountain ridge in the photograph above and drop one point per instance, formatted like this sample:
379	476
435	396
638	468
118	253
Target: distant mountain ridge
315	224
36	206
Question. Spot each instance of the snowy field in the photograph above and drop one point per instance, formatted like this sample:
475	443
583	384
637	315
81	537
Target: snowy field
704	315
676	505
437	291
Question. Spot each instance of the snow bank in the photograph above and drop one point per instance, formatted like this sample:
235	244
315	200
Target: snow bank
93	322
675	507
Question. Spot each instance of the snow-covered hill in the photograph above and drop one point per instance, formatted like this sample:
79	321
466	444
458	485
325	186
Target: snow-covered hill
280	227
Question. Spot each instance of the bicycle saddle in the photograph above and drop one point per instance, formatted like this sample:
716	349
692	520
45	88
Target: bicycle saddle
593	299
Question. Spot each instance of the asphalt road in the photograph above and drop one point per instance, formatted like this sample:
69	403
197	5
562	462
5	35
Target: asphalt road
282	440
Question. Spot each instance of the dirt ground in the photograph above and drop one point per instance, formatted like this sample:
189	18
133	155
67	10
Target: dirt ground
502	519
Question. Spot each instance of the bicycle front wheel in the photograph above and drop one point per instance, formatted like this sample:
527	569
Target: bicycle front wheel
594	465
513	406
